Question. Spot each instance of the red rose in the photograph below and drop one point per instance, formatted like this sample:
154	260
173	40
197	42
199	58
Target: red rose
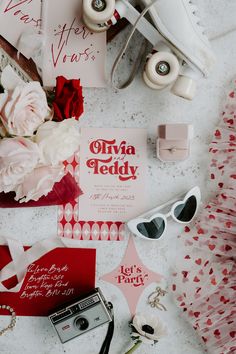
68	101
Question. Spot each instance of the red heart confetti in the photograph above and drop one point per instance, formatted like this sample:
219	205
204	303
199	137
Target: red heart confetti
187	257
217	332
229	224
211	247
232	137
185	273
196	279
209	322
198	290
200	232
213	281
196	314
228	248
198	261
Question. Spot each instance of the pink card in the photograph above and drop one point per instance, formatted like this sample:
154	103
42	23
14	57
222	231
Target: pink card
111	194
131	276
112	173
71	49
18	16
56	278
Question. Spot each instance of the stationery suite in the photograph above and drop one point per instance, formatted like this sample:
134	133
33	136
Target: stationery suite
56	278
110	169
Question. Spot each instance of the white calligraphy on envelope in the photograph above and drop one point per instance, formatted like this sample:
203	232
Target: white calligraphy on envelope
17	17
71	49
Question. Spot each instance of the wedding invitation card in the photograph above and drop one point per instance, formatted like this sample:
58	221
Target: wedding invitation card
112	173
110	168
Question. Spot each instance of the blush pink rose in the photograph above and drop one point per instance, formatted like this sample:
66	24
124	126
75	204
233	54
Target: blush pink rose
39	182
24	109
18	156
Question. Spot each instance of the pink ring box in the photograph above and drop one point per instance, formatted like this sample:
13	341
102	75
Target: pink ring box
173	142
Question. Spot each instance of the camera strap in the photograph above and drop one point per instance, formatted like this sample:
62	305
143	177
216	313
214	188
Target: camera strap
110	331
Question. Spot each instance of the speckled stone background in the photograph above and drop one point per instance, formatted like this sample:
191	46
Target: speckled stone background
137	106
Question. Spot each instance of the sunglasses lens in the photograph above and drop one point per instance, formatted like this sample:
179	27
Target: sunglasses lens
186	211
153	229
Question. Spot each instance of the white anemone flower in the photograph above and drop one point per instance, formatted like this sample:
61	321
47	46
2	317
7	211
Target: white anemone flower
146	329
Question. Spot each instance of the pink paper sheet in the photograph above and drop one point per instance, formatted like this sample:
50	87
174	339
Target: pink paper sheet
71	49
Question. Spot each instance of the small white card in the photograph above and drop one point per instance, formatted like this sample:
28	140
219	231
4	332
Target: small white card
112	173
71	49
17	17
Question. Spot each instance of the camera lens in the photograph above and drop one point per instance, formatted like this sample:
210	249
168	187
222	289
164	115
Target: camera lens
81	323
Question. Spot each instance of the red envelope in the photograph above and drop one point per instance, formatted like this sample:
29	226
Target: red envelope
63	192
58	277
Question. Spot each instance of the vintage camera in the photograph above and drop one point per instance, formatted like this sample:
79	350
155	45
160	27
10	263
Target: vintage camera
81	316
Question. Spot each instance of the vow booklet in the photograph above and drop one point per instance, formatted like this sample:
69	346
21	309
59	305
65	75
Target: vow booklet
70	48
112	171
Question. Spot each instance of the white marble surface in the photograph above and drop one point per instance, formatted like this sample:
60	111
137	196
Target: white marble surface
137	106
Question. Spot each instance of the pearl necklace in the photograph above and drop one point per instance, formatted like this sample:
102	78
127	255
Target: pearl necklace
13	319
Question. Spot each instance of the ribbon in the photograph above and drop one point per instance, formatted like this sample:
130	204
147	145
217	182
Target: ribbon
21	259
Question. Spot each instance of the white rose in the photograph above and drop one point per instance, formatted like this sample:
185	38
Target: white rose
58	140
39	182
18	156
24	109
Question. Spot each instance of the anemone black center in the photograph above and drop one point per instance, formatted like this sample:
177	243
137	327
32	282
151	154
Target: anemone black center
148	329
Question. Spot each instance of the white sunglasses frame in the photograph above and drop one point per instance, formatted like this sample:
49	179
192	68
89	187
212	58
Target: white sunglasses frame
154	213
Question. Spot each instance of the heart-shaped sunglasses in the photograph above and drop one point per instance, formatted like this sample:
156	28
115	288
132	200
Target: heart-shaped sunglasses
152	224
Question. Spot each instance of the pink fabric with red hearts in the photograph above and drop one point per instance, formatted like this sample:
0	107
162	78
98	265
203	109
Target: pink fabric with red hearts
205	283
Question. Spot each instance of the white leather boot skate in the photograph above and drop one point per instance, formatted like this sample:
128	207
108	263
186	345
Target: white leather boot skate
178	23
182	51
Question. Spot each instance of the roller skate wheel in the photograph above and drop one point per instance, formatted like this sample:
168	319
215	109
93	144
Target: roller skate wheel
150	84
93	27
162	68
98	11
184	87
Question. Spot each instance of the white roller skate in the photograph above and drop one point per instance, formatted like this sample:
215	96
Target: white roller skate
181	50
